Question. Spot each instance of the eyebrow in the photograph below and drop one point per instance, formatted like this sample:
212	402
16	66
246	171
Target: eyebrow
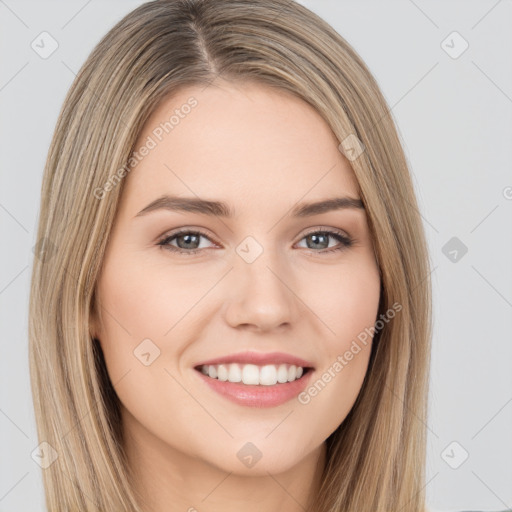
220	209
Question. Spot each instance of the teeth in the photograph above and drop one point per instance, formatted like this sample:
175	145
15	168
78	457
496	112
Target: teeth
251	374
235	373
282	373
222	372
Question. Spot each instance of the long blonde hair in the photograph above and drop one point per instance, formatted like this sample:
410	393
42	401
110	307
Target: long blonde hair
376	457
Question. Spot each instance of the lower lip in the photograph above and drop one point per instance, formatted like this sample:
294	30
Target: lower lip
258	395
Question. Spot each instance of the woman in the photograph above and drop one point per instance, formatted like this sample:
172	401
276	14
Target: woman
233	307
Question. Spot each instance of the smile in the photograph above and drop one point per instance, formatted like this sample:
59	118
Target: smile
251	374
255	386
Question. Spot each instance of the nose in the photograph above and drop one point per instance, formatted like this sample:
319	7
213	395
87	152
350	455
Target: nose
261	295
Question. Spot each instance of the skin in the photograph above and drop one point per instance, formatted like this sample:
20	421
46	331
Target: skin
261	151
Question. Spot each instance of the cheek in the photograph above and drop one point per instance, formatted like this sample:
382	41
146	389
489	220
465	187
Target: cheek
150	310
143	299
140	304
346	300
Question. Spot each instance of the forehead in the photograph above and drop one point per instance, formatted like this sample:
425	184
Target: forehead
246	141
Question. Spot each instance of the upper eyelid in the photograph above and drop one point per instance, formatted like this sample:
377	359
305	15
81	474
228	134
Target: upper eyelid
197	231
327	229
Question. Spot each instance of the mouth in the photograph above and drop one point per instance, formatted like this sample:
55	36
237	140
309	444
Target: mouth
252	374
252	385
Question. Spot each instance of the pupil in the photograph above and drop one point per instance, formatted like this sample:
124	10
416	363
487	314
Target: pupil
187	237
316	237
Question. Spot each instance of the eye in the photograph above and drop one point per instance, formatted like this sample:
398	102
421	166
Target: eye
320	239
188	241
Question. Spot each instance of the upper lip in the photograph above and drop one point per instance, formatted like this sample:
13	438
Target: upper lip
259	358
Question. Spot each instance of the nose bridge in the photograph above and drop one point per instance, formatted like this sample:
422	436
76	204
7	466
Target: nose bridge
261	293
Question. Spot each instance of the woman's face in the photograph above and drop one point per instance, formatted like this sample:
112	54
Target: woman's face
264	280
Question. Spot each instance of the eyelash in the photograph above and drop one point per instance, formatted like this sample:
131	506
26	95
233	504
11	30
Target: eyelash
345	241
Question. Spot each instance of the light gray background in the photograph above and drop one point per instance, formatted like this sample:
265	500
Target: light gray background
454	116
